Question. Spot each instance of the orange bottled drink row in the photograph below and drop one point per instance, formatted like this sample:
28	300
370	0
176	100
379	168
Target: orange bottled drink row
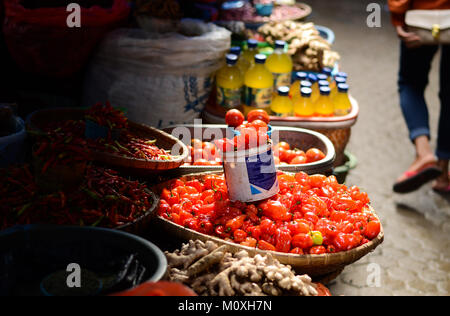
254	81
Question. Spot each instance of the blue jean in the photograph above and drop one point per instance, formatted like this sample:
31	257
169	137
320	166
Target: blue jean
415	64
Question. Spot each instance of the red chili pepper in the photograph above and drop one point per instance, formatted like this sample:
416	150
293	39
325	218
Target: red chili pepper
41	148
47	165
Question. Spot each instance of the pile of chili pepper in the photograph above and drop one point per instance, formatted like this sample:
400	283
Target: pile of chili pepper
17	190
104	199
132	147
106	115
61	146
72	132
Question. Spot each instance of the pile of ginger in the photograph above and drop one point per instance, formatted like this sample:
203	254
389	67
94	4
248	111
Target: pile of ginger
309	50
211	270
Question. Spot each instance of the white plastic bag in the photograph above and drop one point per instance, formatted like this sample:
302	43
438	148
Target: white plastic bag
160	78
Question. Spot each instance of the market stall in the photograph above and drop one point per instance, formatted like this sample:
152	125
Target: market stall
247	205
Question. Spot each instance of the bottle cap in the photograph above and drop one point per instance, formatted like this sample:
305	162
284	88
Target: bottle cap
325	90
306	92
236	50
343	87
340	80
312	78
342	74
251	43
283	91
260	58
323	83
305	84
327	71
301	76
322	77
280	44
231	59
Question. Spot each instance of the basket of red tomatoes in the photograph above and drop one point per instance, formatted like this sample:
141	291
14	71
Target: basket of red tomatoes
295	149
314	224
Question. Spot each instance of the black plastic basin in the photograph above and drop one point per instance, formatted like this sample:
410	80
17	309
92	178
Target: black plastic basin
34	260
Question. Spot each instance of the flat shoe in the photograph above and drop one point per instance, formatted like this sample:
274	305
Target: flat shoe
414	180
443	191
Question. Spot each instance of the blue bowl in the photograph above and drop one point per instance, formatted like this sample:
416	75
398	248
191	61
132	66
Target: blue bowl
12	147
264	9
326	33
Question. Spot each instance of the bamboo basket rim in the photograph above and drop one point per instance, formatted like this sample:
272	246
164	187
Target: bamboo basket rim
143	163
213	115
328	258
339	258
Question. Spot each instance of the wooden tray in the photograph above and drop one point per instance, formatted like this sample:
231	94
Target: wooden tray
163	140
307	10
323	267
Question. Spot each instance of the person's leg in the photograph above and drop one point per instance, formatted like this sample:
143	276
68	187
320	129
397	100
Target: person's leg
415	66
443	147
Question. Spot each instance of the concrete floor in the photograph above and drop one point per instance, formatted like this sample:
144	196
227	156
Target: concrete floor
415	256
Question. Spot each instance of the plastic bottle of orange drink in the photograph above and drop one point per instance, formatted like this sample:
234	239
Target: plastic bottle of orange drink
251	51
324	106
280	65
305	84
295	87
322	77
323	83
303	105
342	103
329	73
230	82
315	87
334	85
282	105
242	63
258	90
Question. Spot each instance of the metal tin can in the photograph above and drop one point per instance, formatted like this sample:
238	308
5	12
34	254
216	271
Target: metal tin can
251	174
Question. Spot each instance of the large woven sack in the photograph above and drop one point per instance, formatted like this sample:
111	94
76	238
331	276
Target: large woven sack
160	78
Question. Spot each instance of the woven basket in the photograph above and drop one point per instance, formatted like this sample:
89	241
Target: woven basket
163	140
323	268
340	139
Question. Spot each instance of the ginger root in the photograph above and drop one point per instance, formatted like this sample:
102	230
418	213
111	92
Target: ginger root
308	49
189	253
214	271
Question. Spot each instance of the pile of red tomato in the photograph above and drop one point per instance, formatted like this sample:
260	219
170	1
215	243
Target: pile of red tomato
310	215
252	133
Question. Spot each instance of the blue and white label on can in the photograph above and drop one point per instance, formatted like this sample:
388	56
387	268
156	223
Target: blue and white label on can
262	175
251	175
